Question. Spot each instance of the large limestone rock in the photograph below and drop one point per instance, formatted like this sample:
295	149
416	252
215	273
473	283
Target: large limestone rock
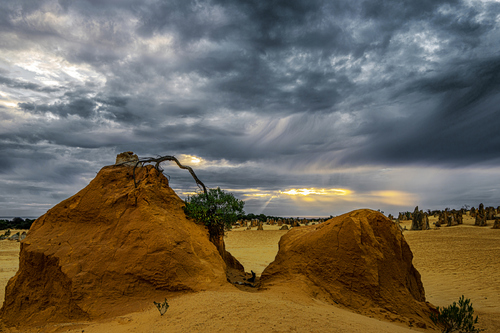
110	249
360	260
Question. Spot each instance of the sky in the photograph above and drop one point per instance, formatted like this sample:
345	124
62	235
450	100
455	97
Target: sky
297	107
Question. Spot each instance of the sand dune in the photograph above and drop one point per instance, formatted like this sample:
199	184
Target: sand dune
452	261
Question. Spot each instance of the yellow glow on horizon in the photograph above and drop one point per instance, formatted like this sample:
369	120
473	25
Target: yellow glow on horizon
397	198
316	191
245	190
259	195
322	195
185	193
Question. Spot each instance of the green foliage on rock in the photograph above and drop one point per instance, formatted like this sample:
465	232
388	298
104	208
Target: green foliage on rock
216	209
457	318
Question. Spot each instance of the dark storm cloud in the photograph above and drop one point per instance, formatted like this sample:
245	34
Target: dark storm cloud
83	107
297	86
77	103
5	165
400	11
459	129
13	83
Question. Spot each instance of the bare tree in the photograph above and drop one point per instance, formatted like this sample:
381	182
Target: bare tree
158	160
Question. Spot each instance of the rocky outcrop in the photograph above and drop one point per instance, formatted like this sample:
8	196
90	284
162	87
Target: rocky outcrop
490	213
110	249
420	221
480	216
127	158
360	260
6	235
15	237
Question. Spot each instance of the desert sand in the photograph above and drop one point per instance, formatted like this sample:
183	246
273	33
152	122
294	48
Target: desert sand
460	260
453	261
9	263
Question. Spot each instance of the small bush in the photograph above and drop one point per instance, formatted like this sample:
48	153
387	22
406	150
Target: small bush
217	208
457	318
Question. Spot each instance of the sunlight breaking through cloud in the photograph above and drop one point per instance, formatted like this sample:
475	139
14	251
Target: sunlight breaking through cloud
191	159
201	163
396	198
308	191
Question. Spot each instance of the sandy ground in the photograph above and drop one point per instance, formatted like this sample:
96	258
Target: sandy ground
454	261
9	261
460	260
255	249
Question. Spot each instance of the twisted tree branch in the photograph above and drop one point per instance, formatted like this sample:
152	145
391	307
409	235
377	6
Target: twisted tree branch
161	159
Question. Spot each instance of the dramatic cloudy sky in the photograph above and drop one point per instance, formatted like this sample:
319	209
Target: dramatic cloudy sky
299	107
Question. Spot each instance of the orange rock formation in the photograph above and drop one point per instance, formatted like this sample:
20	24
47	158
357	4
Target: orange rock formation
113	248
360	260
108	250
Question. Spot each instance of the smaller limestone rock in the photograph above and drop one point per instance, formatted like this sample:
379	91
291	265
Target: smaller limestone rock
359	260
15	237
420	221
480	216
490	213
127	158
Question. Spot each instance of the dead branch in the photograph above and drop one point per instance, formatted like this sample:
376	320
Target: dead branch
161	159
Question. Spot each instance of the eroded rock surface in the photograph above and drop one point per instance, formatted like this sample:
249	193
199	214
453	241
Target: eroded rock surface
110	249
360	260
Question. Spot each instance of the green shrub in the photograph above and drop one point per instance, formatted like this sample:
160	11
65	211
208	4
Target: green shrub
457	318
216	209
